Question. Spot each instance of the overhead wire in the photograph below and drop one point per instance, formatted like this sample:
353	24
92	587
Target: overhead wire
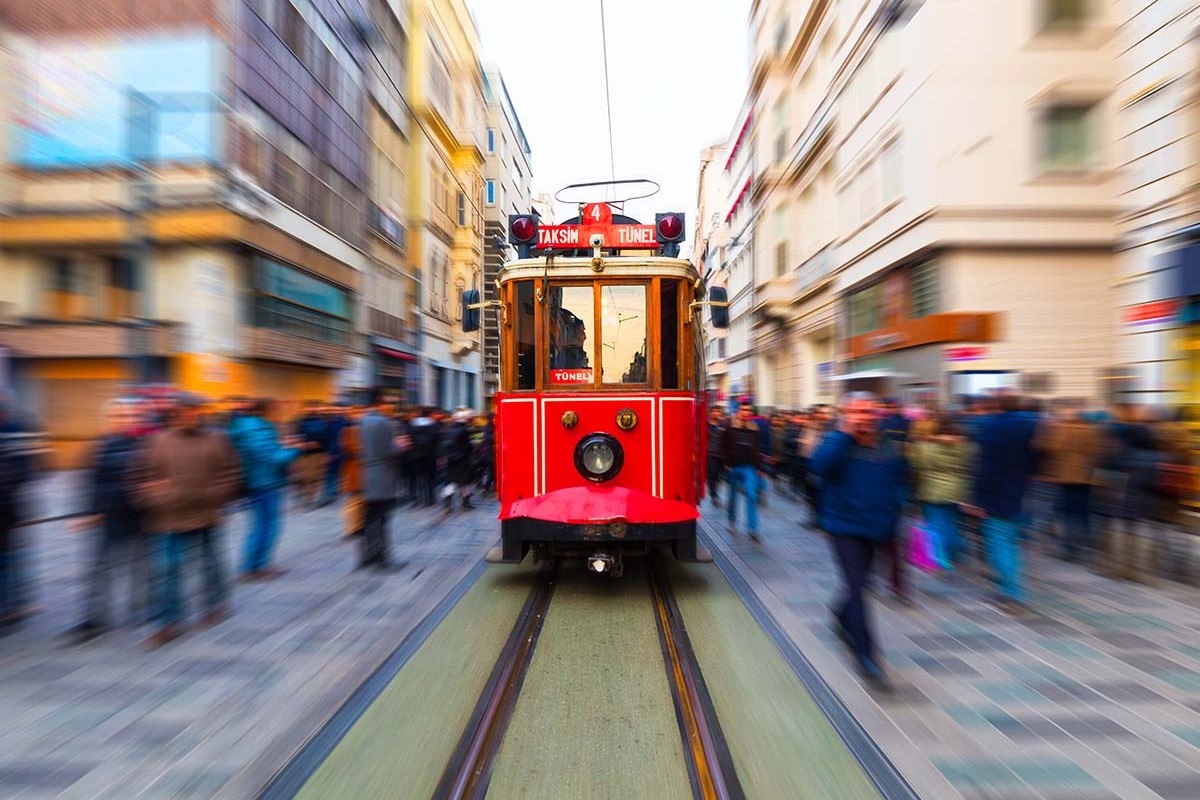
612	158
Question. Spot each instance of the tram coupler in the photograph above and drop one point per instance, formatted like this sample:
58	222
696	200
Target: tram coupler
606	564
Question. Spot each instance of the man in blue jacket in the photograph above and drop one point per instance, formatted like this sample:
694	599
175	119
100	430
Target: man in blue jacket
1006	460
862	475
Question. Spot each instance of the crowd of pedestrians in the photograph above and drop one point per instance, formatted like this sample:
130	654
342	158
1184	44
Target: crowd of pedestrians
165	474
978	484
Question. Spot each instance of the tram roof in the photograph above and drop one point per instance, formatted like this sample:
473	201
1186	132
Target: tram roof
559	267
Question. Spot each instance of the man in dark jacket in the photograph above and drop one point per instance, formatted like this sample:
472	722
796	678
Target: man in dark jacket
379	446
1006	460
742	454
422	458
16	470
717	425
117	519
862	475
458	452
313	430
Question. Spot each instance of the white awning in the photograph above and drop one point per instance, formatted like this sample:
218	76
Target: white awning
867	374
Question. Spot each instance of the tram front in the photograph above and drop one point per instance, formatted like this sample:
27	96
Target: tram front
600	415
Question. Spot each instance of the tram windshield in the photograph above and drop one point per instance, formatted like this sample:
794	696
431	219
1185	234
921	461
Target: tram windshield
603	333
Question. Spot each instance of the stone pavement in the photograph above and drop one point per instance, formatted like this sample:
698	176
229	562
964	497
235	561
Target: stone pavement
110	720
1095	696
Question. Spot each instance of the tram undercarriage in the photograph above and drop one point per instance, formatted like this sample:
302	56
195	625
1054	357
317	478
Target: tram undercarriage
604	545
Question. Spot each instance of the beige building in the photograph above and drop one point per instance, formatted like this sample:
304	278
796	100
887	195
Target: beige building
508	179
936	202
710	237
446	192
1158	133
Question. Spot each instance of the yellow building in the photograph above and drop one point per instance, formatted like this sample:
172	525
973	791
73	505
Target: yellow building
445	91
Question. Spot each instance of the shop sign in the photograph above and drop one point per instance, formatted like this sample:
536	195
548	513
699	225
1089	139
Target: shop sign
1153	313
881	340
570	377
966	353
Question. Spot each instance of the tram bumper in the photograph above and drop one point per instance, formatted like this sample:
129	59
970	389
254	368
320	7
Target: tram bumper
587	517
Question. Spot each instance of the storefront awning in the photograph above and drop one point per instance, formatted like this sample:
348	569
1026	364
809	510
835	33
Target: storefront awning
869	374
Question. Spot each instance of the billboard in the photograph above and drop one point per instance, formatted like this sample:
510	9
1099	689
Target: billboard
74	105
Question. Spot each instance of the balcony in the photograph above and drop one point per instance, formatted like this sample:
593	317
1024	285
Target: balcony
773	299
387	225
55	339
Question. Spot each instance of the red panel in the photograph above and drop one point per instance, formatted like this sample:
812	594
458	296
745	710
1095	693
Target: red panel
597	414
515	451
597	504
681	463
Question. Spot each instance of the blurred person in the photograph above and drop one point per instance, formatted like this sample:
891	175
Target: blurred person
186	476
313	430
112	507
778	462
457	450
819	423
1004	437
942	459
892	421
742	454
379	446
422	458
862	493
1175	485
488	454
264	461
1070	448
18	450
766	459
717	425
350	447
793	470
335	420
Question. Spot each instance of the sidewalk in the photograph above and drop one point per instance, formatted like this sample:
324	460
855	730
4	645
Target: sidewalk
108	719
1094	697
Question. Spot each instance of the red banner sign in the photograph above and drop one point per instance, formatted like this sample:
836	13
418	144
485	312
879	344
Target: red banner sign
579	237
966	353
570	377
1150	313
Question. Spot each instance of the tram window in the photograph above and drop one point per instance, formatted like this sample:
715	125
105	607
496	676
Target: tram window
670	334
571	309
526	344
623	329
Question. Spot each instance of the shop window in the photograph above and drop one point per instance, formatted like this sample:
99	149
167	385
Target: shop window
572	309
526	348
865	310
924	291
1067	137
623	351
670	334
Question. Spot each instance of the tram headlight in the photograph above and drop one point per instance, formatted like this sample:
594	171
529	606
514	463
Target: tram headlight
598	457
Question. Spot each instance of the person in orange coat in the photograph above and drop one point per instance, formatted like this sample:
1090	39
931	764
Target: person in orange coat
351	477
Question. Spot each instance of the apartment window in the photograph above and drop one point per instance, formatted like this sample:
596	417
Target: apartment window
865	310
491	140
293	29
491	193
781	34
1067	138
1064	13
781	255
893	175
923	290
462	209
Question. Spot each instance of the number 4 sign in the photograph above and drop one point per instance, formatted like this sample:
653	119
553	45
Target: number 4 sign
597	214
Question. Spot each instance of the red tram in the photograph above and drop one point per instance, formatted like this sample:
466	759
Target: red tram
600	417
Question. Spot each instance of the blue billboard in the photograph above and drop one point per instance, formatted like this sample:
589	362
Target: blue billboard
90	104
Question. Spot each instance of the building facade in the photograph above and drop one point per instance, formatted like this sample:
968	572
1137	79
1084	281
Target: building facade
507	175
737	260
445	232
923	227
710	237
1158	255
199	225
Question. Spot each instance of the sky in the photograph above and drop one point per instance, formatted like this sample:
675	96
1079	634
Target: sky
677	73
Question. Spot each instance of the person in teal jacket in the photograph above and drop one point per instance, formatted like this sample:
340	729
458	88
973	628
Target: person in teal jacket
265	459
863	484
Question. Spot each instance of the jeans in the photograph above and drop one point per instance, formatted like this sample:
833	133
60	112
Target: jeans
264	529
176	551
1002	540
854	557
745	477
1073	509
942	520
375	533
119	554
332	469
